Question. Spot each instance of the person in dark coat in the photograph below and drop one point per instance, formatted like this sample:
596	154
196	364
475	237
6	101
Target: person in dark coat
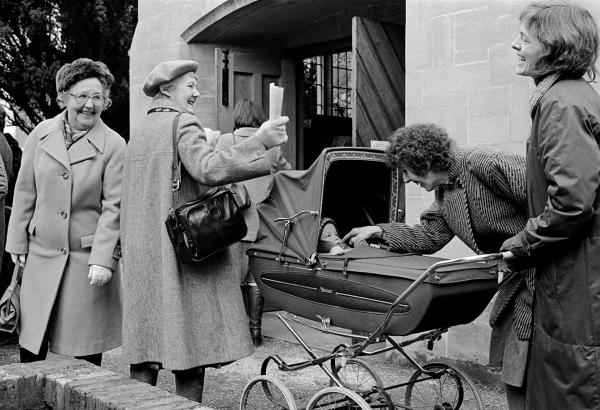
11	155
479	198
247	117
181	317
557	45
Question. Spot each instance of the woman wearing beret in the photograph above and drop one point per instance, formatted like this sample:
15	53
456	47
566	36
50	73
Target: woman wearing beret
557	46
181	317
64	224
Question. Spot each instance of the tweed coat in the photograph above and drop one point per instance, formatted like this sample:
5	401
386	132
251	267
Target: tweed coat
562	237
483	203
182	316
65	217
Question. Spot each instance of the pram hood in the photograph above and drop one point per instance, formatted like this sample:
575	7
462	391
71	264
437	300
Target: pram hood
353	186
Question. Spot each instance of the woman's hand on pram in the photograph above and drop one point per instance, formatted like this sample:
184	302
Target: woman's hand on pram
272	132
358	236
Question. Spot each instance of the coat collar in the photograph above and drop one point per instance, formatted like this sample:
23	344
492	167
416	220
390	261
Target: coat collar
245	132
160	101
457	157
52	140
456	205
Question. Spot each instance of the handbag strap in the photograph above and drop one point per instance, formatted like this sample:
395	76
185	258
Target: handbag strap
17	274
176	170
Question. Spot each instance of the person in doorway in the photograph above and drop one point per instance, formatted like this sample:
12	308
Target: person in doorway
181	317
247	117
557	46
64	224
479	198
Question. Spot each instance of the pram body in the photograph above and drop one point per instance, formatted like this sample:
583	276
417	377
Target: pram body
354	187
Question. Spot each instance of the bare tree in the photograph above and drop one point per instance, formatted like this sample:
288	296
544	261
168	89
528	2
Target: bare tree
38	36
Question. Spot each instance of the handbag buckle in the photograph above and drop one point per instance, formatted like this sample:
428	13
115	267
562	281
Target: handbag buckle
176	185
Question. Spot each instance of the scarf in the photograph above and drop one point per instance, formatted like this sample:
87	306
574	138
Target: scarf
71	136
540	90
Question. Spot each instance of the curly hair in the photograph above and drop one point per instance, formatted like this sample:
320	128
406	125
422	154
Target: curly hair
568	35
421	148
82	69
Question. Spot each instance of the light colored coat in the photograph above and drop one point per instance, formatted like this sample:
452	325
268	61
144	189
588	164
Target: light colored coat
65	217
182	316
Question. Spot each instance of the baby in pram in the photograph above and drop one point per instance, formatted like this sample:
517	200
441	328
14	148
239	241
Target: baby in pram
330	241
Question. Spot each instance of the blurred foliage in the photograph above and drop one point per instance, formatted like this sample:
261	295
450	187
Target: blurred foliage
38	36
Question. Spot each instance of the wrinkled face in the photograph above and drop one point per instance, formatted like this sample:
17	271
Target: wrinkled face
429	182
183	91
84	102
529	50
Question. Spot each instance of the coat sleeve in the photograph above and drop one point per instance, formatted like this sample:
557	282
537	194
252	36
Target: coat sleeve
504	174
570	157
429	236
277	160
105	249
24	199
208	166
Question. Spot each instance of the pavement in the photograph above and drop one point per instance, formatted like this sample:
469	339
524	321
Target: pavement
224	386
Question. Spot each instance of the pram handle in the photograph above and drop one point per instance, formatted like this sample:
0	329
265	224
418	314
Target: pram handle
426	274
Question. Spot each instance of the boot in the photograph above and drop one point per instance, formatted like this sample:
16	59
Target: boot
190	383
255	310
144	372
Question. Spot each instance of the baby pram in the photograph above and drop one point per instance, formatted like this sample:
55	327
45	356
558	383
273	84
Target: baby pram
366	289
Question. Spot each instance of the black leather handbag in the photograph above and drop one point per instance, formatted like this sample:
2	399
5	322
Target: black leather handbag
202	227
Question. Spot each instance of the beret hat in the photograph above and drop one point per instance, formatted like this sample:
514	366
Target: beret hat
165	72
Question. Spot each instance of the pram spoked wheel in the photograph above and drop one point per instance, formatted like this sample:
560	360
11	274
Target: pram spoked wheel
445	388
355	374
359	376
337	398
266	393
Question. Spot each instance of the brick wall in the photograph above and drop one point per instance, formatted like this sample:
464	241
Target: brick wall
71	384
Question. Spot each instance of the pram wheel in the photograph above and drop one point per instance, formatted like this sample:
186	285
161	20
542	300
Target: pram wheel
355	375
265	393
446	388
337	398
359	376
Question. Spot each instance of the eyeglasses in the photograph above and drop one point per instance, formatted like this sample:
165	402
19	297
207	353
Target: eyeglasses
97	99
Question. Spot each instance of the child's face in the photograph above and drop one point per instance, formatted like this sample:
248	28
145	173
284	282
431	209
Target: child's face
330	234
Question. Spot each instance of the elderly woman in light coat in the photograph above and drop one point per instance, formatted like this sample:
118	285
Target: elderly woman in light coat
181	317
64	224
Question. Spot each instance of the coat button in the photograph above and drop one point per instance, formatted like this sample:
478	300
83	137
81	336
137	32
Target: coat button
63	251
65	175
63	214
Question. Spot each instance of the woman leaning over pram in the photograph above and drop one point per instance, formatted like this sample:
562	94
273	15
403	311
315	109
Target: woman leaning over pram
480	197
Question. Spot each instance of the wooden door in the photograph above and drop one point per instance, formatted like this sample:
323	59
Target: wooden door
249	77
378	64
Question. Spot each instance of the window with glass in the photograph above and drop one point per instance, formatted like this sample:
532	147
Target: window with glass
328	85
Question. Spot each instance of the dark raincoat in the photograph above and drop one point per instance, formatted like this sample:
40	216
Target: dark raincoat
563	237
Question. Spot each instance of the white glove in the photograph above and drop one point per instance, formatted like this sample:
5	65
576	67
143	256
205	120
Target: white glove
99	275
18	259
272	132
